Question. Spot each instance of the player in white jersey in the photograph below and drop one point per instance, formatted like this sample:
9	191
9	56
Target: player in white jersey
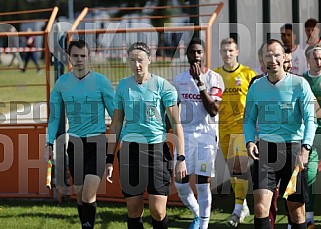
312	31
299	63
199	92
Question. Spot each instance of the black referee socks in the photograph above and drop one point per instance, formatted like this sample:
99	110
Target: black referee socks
135	223
163	224
88	215
262	223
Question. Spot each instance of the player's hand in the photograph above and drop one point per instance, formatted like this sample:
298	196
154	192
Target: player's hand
252	151
195	71
109	172
302	158
180	170
48	153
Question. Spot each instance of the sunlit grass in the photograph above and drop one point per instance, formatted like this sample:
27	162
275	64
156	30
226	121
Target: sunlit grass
15	213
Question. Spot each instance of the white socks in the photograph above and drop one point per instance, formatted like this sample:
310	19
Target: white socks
237	209
204	197
244	203
187	196
202	206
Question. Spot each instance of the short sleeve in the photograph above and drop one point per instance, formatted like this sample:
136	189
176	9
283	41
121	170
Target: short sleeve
118	99
168	94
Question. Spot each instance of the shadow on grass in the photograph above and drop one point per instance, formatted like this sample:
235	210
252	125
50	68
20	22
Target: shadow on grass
116	213
49	209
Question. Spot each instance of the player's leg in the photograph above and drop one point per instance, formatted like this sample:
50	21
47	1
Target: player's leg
78	191
94	167
237	162
187	196
204	170
159	179
274	207
312	174
89	206
75	164
204	197
296	201
265	181
133	171
135	207
297	213
157	207
262	201
183	187
287	214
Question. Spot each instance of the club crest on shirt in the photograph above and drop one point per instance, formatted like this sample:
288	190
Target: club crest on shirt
203	168
238	81
150	112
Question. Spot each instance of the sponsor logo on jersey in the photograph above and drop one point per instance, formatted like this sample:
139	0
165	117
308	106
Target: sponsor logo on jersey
191	96
232	90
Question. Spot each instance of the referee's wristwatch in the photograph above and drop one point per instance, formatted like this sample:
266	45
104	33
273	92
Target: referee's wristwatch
307	147
180	158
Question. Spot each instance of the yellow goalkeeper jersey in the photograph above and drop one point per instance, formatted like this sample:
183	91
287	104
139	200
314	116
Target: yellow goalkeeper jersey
233	100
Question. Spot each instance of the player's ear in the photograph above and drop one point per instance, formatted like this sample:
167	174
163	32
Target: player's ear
237	52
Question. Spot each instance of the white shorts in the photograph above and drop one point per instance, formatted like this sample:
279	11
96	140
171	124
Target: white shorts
200	154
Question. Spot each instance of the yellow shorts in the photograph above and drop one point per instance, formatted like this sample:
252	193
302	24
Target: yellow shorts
232	145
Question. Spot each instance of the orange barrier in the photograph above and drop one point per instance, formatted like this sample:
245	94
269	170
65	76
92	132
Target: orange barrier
22	167
23	171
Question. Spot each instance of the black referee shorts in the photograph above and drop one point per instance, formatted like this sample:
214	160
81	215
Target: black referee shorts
86	156
144	166
277	162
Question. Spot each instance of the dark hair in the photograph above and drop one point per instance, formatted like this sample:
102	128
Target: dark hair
79	44
287	50
311	23
288	26
139	45
196	41
272	41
